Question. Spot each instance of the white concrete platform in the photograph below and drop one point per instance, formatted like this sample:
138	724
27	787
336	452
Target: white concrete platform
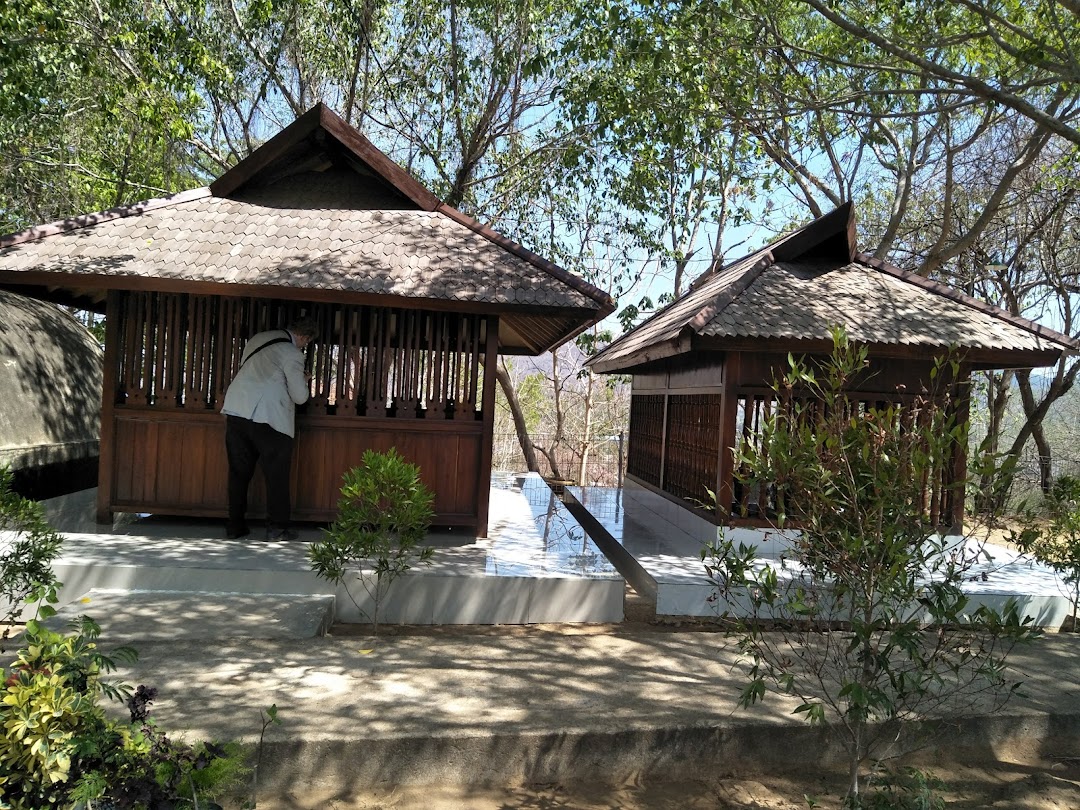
663	544
537	564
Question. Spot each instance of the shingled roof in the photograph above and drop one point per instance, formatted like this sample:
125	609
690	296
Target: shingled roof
787	296
316	213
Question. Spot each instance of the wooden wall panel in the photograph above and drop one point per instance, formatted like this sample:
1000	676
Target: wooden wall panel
177	465
646	453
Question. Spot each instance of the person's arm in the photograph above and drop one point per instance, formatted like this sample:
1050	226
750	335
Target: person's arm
295	380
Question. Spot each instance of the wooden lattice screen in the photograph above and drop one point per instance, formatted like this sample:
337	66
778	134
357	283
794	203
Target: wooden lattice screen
181	351
693	445
646	450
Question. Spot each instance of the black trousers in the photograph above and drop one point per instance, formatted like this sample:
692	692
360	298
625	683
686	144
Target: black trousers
248	444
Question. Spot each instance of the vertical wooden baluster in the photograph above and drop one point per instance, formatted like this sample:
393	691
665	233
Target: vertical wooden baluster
405	409
238	336
477	355
209	332
427	367
376	400
194	394
143	349
223	348
377	394
449	378
189	353
397	343
326	348
436	401
167	348
199	400
346	403
135	362
461	371
409	382
146	381
363	342
127	368
220	363
319	359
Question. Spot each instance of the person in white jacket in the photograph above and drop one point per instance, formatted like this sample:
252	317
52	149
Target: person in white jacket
260	423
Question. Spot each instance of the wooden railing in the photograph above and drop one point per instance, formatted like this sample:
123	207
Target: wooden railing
181	351
757	405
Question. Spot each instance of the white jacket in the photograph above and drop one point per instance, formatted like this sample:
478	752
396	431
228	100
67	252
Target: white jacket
270	384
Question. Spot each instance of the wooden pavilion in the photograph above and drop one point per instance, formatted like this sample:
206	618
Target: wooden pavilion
703	367
414	302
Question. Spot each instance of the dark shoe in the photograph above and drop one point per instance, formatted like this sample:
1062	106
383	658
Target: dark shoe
235	534
281	535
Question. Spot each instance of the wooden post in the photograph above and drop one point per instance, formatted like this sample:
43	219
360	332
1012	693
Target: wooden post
961	405
663	441
113	335
729	409
483	483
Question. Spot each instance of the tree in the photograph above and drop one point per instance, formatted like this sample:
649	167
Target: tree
863	619
98	101
1019	55
1053	537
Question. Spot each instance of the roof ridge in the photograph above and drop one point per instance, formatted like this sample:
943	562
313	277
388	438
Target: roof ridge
954	294
506	243
731	291
36	232
816	230
764	259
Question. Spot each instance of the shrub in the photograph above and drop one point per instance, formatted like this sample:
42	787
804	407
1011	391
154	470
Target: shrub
383	514
26	561
1053	538
864	622
59	749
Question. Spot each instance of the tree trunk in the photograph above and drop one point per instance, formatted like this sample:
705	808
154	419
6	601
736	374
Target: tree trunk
520	427
1035	412
586	439
987	500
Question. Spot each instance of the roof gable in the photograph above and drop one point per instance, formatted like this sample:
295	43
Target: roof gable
315	142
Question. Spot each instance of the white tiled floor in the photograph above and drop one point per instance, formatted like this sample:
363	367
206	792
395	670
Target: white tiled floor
666	543
536	565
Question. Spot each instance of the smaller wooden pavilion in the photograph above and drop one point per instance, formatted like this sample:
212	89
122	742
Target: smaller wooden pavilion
414	302
703	367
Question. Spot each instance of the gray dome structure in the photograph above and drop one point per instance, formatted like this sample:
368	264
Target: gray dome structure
50	397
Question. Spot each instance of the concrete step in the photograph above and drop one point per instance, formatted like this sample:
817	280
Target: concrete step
133	616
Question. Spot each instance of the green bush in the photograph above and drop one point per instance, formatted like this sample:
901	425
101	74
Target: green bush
1053	537
864	620
383	514
26	562
1065	490
59	749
